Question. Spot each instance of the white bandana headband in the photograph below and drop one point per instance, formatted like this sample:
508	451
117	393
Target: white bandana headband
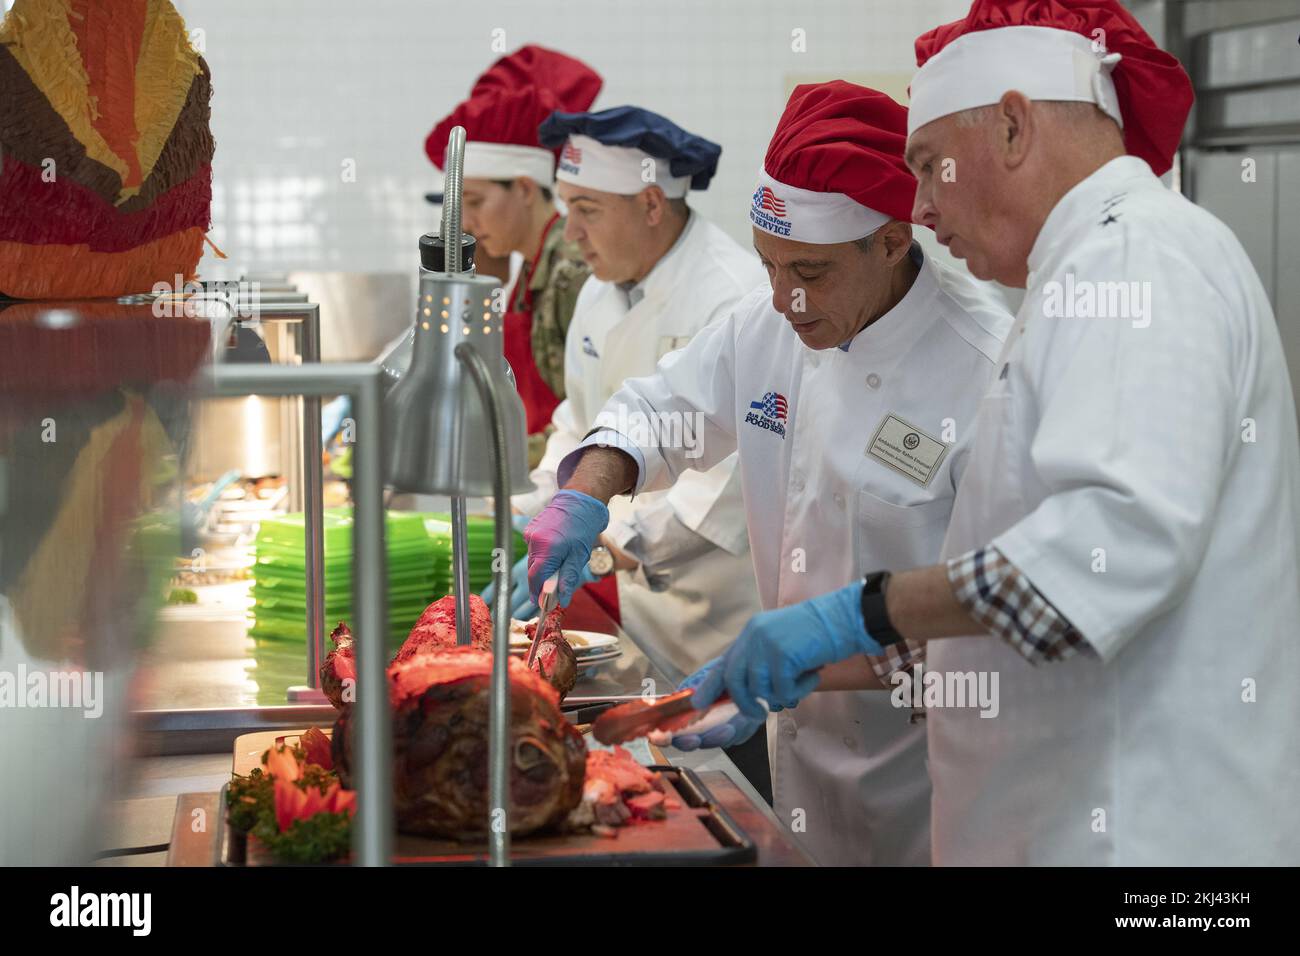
624	170
806	216
1044	63
508	161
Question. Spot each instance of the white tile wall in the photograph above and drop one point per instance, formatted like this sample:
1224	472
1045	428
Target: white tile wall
302	87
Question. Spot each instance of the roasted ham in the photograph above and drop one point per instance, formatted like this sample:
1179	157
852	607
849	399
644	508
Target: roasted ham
618	791
555	659
436	628
435	631
441	707
338	672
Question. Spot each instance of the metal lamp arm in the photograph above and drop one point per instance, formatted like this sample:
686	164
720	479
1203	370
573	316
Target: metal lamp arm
499	721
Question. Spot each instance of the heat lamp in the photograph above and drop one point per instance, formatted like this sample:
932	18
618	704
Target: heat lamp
454	425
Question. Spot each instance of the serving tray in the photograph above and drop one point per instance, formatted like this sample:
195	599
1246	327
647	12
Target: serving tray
699	832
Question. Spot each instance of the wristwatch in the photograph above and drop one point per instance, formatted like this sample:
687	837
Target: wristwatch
601	562
874	614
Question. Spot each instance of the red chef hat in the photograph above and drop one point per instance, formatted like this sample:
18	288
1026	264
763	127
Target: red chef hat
505	107
834	171
572	81
1083	50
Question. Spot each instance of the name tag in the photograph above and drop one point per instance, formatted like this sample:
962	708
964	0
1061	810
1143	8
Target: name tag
671	343
906	449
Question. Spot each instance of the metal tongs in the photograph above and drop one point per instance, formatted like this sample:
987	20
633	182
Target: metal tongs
638	718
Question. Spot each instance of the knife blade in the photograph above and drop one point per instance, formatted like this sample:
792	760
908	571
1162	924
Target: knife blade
611	698
546	600
546	606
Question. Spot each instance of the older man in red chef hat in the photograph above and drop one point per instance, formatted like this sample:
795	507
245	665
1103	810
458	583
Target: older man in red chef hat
1123	547
848	384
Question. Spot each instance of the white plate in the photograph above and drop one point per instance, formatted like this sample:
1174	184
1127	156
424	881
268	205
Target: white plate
598	660
602	653
583	642
600	657
590	642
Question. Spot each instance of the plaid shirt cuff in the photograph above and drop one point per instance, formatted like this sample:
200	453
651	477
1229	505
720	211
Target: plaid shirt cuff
902	656
1006	603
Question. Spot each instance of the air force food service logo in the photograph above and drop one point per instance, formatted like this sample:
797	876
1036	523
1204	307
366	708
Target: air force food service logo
768	212
570	158
769	413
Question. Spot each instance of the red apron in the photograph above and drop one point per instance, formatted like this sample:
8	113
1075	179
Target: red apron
605	593
539	401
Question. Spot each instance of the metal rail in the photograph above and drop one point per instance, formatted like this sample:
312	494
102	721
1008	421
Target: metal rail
460	565
283	309
313	491
373	836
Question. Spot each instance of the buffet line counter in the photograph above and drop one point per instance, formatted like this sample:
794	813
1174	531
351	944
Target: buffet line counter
153	825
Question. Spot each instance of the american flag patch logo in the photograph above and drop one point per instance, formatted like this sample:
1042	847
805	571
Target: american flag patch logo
766	200
769	413
571	153
768	212
773	405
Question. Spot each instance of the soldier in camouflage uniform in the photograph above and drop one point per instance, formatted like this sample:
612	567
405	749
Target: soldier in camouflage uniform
554	284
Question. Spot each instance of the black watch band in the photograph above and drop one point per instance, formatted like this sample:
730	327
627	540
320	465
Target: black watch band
874	614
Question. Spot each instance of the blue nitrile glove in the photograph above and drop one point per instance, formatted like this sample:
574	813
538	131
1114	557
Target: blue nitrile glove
518	576
735	731
779	652
521	606
332	417
560	540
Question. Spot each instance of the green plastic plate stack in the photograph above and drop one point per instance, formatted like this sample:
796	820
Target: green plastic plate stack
419	572
279	613
479	539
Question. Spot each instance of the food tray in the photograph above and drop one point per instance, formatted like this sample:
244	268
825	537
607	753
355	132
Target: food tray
700	832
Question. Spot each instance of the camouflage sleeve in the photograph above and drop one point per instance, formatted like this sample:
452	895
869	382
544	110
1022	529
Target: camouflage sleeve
537	446
553	312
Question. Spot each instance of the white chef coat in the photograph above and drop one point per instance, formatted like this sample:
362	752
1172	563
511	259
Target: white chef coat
701	589
1127	439
849	768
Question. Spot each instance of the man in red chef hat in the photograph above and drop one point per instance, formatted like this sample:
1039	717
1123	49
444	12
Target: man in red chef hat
509	209
847	384
1123	547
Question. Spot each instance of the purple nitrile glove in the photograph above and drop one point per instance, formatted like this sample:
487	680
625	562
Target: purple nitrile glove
560	540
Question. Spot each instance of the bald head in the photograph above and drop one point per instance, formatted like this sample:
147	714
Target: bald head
988	177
